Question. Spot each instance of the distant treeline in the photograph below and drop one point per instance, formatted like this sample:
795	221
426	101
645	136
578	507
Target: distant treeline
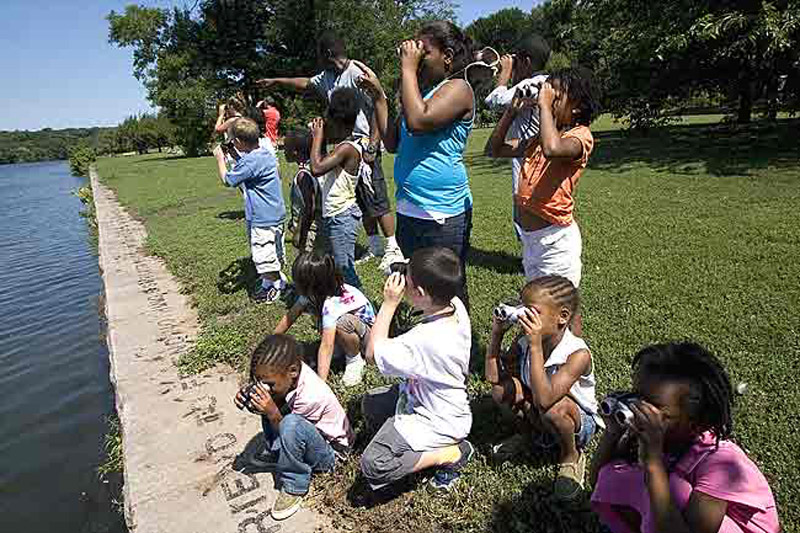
47	144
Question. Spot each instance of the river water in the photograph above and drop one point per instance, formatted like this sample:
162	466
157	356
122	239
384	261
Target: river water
53	359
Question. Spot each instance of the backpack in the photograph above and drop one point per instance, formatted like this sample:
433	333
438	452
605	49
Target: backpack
305	204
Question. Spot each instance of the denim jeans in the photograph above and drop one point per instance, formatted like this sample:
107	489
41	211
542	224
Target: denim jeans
340	233
300	450
415	233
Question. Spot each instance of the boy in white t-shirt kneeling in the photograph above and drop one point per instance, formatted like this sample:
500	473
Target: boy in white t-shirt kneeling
425	420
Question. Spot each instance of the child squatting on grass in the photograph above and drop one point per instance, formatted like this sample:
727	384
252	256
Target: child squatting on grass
548	377
305	426
672	467
256	171
553	164
425	420
344	315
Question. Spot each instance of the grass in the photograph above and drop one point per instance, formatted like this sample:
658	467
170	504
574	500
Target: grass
689	232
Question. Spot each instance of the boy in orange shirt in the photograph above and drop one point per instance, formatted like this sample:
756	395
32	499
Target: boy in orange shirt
553	164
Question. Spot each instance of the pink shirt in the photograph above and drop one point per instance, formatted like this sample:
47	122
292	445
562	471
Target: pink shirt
314	400
272	118
725	473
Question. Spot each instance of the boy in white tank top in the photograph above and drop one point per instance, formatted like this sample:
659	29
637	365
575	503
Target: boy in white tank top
547	377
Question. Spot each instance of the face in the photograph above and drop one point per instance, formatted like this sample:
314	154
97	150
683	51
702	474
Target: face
670	397
328	61
563	108
554	317
436	63
279	383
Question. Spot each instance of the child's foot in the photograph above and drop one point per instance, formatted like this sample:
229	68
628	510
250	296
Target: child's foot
353	370
286	505
392	256
263	460
366	257
270	291
445	478
515	446
569	482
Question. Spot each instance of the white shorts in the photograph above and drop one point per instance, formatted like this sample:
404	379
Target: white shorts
552	251
266	247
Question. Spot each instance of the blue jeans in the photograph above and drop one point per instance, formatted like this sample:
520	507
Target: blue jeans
300	450
340	233
415	233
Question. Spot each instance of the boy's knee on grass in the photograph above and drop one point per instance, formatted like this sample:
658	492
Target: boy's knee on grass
505	392
564	415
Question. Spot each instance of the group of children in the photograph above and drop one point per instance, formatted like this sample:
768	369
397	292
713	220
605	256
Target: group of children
669	466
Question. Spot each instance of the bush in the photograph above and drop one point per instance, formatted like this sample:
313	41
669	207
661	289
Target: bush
80	159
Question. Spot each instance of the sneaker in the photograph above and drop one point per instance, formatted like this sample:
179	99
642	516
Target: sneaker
569	482
366	257
286	505
264	460
392	256
445	478
353	371
267	295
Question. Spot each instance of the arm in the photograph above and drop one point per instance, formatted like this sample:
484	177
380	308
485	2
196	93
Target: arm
610	449
222	169
325	352
492	370
289	318
261	401
370	83
296	84
501	95
393	291
553	145
497	145
344	155
450	103
223	125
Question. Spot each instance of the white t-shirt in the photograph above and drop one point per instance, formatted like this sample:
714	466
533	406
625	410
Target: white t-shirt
433	410
352	300
329	80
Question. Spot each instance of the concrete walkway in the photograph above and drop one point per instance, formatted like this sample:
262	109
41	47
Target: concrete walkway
180	435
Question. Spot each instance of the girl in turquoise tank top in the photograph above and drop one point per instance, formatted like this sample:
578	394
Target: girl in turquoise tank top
434	201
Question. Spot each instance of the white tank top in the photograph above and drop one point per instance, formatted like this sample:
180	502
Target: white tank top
339	186
583	390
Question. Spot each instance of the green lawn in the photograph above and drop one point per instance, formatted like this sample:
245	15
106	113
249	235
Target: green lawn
690	232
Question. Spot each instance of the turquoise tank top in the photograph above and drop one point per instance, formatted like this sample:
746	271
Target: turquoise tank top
429	167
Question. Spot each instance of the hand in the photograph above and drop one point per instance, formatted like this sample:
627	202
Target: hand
368	81
506	65
221	109
317	127
261	401
499	327
394	288
218	152
546	95
520	102
531	324
266	83
650	426
411	53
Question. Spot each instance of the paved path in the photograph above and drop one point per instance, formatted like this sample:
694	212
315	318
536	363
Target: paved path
180	434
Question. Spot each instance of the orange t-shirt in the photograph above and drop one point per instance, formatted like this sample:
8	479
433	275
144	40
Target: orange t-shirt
546	186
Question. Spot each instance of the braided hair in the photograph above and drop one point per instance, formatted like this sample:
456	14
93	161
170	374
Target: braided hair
276	352
711	399
559	288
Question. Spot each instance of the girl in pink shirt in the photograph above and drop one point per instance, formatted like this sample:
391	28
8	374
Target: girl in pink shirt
673	467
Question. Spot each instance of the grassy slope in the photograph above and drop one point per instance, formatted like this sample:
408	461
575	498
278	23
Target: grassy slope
690	232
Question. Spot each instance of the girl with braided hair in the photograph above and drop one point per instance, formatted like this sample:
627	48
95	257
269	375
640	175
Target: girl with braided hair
304	424
687	475
547	377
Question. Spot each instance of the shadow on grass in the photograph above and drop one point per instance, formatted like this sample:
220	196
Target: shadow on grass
240	274
231	215
160	159
497	261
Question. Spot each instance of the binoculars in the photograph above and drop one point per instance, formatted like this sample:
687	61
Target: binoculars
508	313
528	91
617	406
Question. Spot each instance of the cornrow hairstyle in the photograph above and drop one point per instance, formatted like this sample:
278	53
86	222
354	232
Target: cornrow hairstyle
438	272
343	106
276	352
444	34
317	278
579	86
711	400
559	288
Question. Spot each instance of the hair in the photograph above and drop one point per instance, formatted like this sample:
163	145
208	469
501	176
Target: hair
558	288
246	130
298	141
329	41
235	103
269	100
444	34
438	272
277	352
535	48
579	86
711	399
343	106
317	278
257	116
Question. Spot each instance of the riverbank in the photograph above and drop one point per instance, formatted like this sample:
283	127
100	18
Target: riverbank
181	434
689	232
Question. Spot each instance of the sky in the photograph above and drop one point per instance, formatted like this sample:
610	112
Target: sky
60	71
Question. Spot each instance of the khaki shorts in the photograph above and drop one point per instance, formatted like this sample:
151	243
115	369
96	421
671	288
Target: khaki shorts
552	251
266	247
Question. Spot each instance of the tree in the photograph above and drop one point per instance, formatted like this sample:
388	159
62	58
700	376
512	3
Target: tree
501	30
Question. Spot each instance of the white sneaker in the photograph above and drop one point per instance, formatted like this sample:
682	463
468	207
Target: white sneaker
392	256
353	371
366	257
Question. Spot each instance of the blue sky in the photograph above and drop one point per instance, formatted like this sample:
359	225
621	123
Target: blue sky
60	71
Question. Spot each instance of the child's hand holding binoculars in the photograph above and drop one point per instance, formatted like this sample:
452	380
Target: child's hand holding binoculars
256	398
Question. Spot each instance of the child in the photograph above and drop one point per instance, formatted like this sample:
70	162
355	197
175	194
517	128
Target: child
339	72
548	375
304	424
434	201
344	315
523	70
272	117
306	211
257	172
339	175
554	162
424	422
687	475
